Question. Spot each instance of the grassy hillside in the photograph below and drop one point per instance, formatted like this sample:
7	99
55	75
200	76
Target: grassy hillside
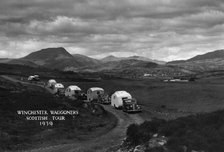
210	55
201	65
45	73
16	133
205	62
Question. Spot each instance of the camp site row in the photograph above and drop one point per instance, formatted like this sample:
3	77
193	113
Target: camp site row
74	90
119	99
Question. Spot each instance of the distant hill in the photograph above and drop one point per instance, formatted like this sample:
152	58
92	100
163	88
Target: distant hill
130	63
146	59
113	58
45	56
58	58
205	62
86	59
110	58
22	62
49	53
4	60
210	55
176	61
118	65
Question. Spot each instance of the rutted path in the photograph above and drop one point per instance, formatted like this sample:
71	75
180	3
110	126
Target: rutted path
101	144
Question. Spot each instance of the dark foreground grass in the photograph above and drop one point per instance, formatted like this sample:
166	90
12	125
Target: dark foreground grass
16	133
201	132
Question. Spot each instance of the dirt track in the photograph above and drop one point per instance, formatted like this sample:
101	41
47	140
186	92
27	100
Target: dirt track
104	142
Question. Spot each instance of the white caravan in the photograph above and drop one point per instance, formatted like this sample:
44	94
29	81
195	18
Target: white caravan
94	93
118	97
57	88
72	90
51	83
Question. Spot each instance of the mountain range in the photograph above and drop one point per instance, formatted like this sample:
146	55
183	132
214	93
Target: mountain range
140	58
59	58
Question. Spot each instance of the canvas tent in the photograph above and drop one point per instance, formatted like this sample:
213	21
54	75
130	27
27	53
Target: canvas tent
72	90
94	93
118	97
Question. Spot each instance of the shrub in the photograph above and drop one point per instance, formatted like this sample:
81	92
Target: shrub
196	132
133	134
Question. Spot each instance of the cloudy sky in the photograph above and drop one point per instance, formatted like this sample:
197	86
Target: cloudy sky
158	29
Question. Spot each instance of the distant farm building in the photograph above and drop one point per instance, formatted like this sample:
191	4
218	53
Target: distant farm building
147	75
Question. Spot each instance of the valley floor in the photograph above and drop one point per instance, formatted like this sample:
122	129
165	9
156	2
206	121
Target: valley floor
158	99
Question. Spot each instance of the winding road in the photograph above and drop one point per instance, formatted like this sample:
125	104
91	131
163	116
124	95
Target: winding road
102	143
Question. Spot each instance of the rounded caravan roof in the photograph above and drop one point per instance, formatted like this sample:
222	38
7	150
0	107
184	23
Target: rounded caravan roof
58	85
52	81
96	89
74	87
122	94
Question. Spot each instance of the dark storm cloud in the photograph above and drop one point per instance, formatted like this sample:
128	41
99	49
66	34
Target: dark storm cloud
162	29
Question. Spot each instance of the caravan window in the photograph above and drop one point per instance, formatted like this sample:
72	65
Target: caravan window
125	98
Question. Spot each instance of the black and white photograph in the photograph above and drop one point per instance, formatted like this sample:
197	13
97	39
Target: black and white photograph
111	76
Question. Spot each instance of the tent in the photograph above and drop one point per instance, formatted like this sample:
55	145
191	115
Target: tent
72	90
118	97
94	93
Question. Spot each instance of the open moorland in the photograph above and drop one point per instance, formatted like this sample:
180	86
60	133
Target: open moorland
203	95
167	100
